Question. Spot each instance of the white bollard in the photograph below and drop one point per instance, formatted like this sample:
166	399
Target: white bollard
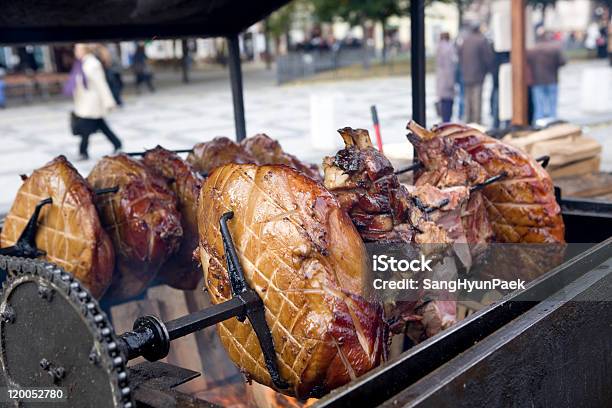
505	92
596	87
323	126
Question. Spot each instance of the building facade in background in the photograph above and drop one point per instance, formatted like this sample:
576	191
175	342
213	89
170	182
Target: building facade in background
571	18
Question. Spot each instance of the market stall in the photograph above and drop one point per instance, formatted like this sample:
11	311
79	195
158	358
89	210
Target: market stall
523	344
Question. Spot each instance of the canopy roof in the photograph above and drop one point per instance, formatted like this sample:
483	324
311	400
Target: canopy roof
46	21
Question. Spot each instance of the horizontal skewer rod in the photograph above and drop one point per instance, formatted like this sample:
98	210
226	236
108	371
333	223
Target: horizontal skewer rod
488	181
544	160
412	167
106	190
150	337
235	307
173	151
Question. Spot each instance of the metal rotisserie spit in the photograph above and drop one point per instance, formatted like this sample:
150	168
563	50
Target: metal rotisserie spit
47	308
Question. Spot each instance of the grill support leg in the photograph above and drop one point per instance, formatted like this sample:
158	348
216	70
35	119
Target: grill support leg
417	60
237	89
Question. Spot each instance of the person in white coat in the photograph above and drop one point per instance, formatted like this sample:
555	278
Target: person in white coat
92	98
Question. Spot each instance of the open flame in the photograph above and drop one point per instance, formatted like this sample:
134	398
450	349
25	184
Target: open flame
253	395
265	397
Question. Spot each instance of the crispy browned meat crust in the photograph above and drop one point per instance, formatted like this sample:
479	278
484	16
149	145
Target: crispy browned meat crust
268	151
221	150
303	256
142	220
180	271
69	229
521	208
363	181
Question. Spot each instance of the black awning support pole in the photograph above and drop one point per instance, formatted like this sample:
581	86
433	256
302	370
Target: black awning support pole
417	60
236	81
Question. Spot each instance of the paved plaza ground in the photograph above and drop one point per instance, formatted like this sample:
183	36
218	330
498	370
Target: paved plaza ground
177	116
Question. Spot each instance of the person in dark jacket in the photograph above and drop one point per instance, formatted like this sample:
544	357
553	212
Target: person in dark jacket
112	70
476	59
141	69
544	61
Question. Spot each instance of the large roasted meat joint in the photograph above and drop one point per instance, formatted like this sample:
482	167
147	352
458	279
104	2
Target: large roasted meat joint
303	256
69	230
142	219
521	207
180	271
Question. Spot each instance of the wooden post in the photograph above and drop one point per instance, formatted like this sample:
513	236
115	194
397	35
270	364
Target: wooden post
518	58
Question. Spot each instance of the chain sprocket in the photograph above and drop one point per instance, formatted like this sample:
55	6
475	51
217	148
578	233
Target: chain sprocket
42	301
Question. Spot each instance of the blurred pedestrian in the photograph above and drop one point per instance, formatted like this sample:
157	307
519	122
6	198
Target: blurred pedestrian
2	86
141	69
112	71
460	93
446	66
499	58
92	98
459	79
602	42
476	59
544	60
27	60
610	41
592	33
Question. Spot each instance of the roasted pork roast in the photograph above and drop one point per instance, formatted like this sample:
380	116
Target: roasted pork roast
363	181
141	218
303	256
269	151
69	229
180	271
521	208
387	212
217	152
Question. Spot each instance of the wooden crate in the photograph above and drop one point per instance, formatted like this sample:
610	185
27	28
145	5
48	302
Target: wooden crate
570	152
578	168
527	141
595	185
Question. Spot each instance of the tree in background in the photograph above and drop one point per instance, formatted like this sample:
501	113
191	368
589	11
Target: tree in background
279	23
359	12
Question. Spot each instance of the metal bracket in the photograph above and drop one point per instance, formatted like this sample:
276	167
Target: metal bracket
151	337
25	247
255	311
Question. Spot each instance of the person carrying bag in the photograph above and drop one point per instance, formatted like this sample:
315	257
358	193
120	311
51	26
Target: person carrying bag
92	99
